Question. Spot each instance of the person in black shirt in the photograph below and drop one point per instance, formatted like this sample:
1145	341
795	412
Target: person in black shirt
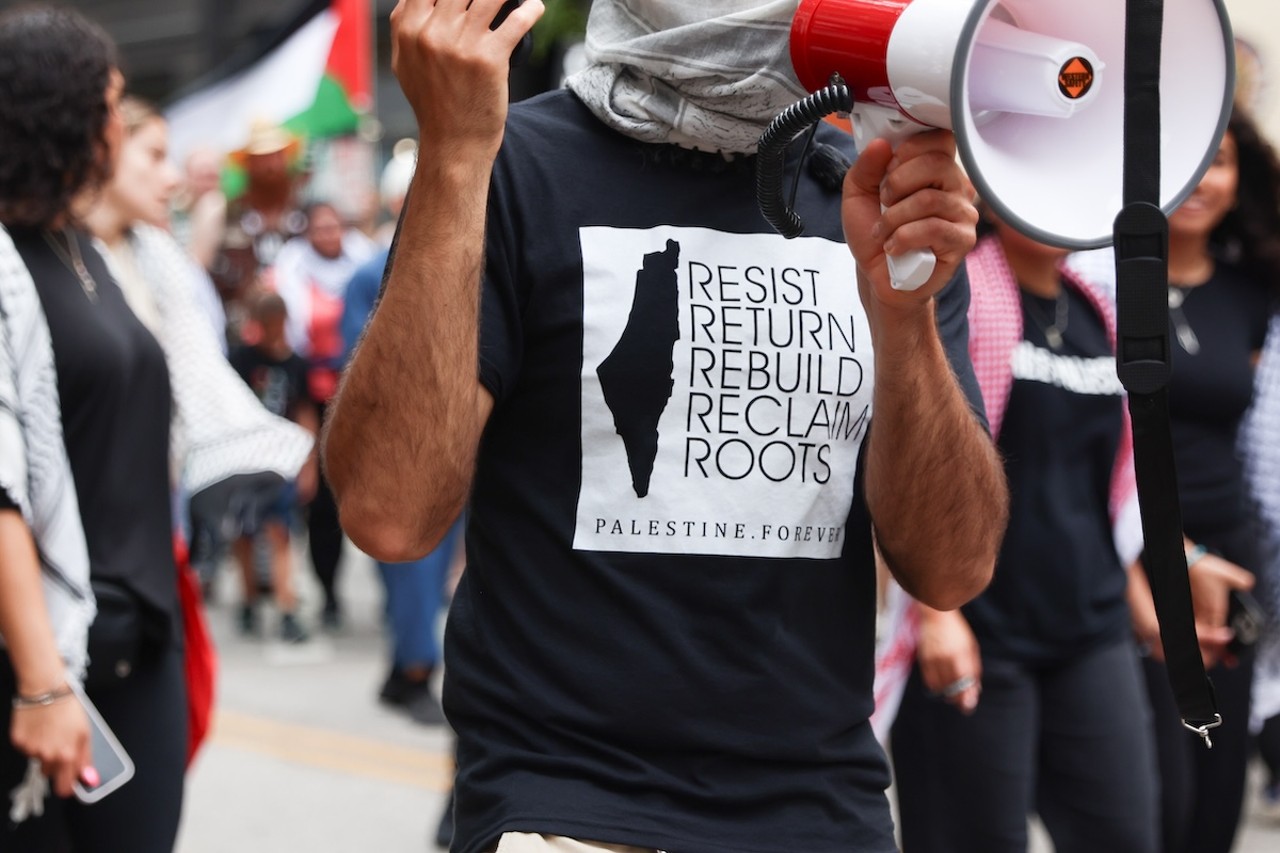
278	376
1224	283
658	412
59	92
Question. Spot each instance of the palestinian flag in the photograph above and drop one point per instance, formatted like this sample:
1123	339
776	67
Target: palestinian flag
313	76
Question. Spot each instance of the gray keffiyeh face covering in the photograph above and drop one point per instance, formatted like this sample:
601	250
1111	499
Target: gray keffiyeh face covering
709	74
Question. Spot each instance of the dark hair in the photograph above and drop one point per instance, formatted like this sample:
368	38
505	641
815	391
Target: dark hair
313	207
268	305
55	67
1250	232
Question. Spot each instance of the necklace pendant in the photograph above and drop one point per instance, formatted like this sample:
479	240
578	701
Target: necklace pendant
1053	337
73	260
1182	329
87	284
1187	339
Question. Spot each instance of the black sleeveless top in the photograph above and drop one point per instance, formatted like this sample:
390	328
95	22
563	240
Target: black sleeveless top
113	390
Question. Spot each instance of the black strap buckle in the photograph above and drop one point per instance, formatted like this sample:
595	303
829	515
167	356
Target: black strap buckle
1142	303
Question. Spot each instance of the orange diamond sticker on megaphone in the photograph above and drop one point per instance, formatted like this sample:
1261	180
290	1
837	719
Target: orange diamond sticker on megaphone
1076	78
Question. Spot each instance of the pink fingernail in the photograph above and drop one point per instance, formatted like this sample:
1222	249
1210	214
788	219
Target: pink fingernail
90	777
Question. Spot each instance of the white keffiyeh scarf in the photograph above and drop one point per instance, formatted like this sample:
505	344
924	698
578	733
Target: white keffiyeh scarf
1260	447
36	474
34	470
220	428
709	75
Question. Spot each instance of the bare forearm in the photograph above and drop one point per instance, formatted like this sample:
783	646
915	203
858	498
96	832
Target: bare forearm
208	218
308	418
402	434
24	621
935	486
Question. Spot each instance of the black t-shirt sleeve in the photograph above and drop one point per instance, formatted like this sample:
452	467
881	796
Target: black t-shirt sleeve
6	502
952	309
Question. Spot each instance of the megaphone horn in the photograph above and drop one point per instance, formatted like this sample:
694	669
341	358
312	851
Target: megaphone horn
1033	91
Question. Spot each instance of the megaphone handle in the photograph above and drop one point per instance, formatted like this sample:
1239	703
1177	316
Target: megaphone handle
911	270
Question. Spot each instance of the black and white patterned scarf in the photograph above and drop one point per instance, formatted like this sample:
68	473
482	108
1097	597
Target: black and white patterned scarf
220	429
1260	447
36	474
34	470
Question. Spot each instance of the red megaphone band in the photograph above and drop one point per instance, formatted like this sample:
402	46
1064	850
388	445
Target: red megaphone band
849	38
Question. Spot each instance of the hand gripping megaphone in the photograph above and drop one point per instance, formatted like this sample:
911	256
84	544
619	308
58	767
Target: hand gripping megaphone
1032	89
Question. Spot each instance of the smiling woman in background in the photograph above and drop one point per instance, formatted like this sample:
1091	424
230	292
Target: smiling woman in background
1224	279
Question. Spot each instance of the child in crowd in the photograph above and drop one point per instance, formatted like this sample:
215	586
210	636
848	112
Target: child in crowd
278	376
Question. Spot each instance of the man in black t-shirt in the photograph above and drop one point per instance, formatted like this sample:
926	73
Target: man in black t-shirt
659	413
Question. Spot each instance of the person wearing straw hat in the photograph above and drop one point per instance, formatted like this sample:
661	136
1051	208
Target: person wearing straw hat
264	217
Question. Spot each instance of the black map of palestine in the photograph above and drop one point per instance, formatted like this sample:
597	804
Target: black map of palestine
639	374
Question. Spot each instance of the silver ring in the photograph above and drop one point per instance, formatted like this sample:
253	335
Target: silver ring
958	686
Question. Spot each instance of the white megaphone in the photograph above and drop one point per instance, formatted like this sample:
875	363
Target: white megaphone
1034	92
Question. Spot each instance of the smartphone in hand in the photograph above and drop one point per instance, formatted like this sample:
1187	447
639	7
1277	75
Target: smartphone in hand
1247	618
112	763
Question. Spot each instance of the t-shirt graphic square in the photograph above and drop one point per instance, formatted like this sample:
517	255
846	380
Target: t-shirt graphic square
726	391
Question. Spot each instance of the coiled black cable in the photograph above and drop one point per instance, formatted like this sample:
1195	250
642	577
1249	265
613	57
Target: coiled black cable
771	154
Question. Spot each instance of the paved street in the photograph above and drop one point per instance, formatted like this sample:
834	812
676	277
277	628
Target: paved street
303	758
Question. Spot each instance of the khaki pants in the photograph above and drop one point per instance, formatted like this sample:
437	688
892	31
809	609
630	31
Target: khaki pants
527	842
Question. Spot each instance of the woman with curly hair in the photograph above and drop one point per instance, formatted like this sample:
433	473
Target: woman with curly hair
1224	284
85	404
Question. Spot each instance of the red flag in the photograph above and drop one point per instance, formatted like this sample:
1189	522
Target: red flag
351	58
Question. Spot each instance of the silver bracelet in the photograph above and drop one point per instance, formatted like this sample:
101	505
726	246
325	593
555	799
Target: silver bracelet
41	700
